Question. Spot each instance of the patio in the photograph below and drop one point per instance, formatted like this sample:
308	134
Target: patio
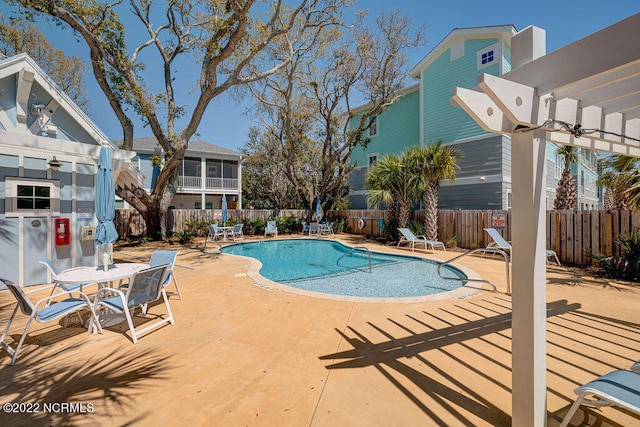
240	354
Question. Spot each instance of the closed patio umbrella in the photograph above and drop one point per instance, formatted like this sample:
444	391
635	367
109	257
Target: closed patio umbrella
225	211
105	200
318	210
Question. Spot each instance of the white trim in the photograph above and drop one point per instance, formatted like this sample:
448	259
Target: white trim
421	110
472	180
369	156
456	50
473	139
375	124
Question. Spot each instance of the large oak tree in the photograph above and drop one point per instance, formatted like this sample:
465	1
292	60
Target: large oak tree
228	41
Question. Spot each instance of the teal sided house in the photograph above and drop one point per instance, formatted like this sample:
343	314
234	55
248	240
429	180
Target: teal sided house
48	162
423	114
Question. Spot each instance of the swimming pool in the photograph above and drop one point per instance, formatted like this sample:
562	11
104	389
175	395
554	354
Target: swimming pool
329	267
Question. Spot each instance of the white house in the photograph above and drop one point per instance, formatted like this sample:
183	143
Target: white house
48	163
206	173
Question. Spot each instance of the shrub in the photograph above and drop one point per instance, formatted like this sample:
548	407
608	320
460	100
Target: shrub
627	264
391	230
416	227
338	225
183	237
288	224
198	227
255	226
452	242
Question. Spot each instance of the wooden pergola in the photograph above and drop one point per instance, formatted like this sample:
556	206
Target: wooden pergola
585	94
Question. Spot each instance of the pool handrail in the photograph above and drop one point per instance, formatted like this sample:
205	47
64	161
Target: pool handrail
353	249
494	250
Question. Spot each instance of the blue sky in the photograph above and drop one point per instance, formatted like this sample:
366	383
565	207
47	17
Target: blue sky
226	124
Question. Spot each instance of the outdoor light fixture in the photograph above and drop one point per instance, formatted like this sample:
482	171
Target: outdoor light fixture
54	164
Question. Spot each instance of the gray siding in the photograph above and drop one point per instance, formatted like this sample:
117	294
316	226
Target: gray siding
356	181
481	157
473	196
357	202
9	239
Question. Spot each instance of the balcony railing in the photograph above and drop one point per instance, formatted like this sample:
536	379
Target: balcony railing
195	182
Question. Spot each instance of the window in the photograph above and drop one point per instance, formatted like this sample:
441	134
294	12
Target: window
486	58
207	205
509	199
489	55
373	129
29	197
582	182
373	159
33	197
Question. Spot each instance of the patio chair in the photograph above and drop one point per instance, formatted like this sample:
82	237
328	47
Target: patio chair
214	233
409	237
168	258
43	312
145	288
271	228
305	227
314	229
67	287
236	233
618	388
327	228
500	243
636	367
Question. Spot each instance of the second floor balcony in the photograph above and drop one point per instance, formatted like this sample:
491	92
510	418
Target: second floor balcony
196	183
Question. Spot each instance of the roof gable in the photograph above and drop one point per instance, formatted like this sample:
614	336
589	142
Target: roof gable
40	106
504	32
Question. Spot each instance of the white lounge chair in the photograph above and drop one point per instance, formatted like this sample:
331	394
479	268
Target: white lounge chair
409	237
43	312
271	228
618	388
500	243
145	287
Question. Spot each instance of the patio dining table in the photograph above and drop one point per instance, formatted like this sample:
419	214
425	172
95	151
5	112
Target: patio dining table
93	274
226	231
90	275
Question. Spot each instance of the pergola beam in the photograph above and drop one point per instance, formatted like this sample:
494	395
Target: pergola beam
592	83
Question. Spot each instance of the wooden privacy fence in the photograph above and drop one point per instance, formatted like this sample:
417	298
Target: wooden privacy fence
574	235
130	223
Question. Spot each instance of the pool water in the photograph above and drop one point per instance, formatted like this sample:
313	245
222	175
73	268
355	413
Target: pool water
329	267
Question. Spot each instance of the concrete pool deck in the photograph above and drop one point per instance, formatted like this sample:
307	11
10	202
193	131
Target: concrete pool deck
242	354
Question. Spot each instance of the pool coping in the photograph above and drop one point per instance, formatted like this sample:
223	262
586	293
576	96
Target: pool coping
469	290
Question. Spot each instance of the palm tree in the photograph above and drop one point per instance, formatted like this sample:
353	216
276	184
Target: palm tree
428	166
387	182
622	182
566	192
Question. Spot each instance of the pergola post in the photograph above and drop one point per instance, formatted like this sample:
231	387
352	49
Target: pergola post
529	279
